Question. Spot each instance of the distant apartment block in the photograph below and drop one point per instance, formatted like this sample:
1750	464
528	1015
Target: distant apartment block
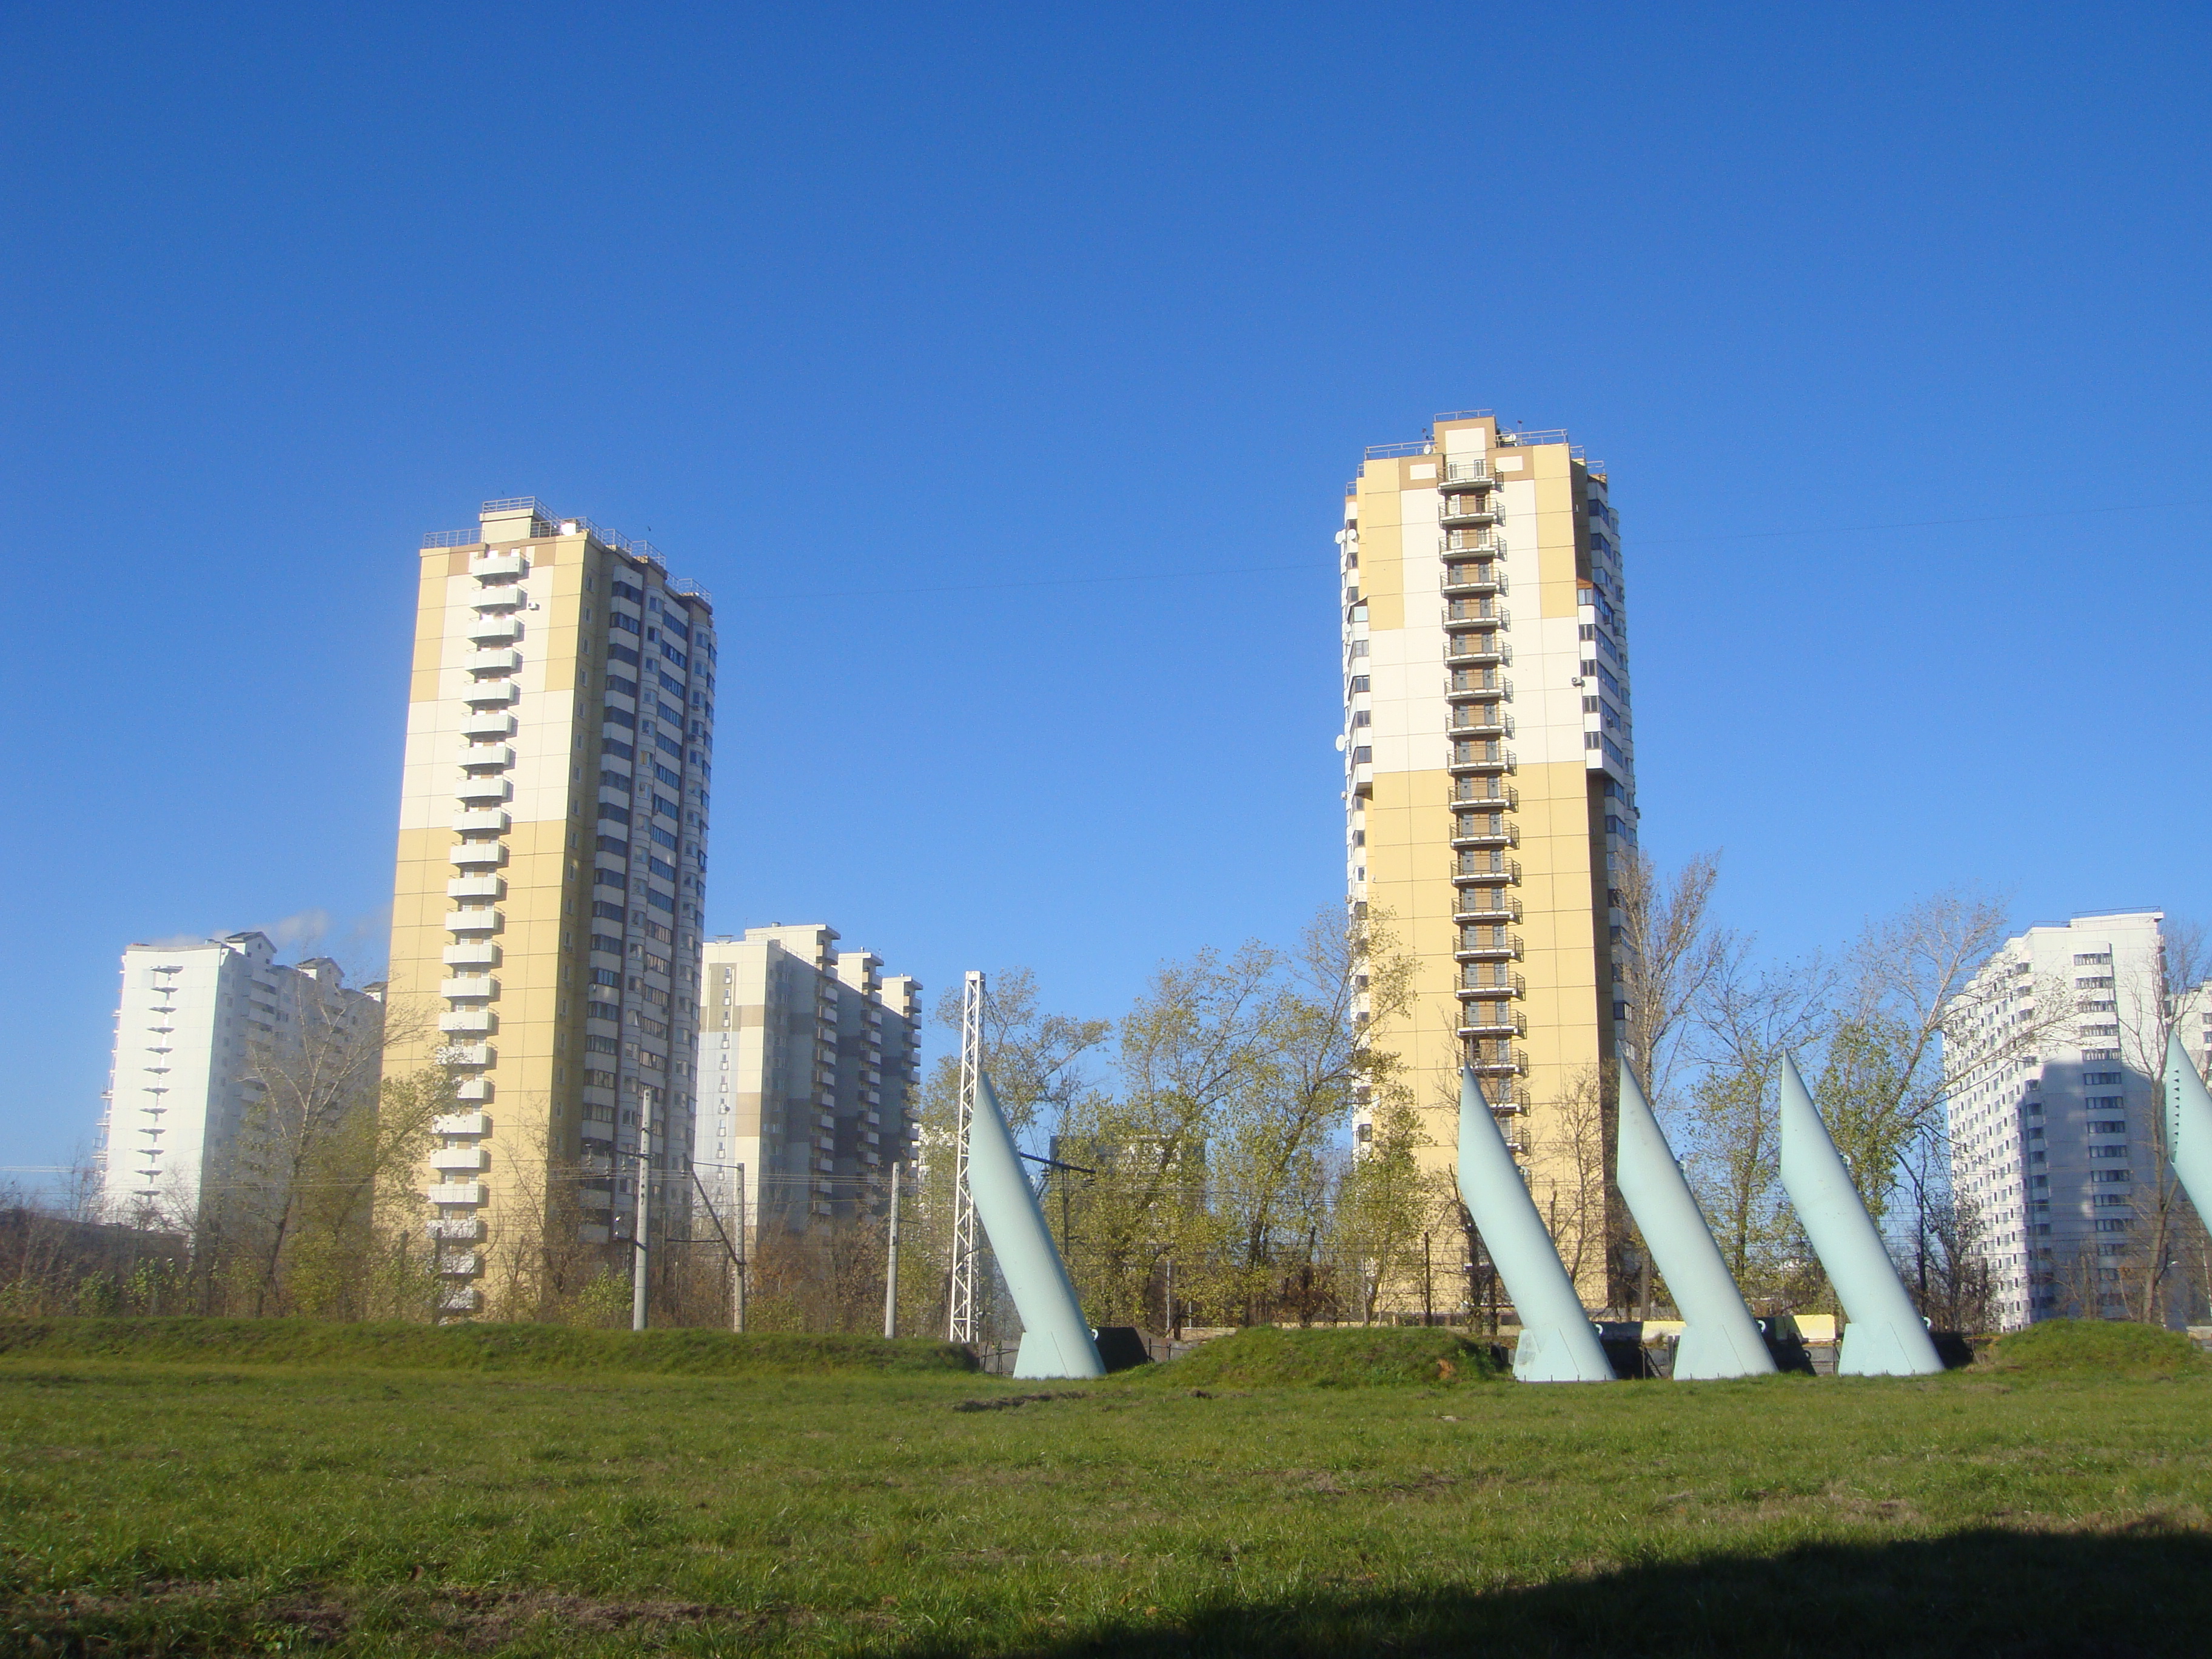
198	1026
1490	786
551	873
809	1064
2053	1136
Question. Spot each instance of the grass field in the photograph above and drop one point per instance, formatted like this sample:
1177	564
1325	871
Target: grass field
222	1507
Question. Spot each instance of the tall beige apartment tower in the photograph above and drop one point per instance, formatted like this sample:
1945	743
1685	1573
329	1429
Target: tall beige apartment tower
1490	790
546	912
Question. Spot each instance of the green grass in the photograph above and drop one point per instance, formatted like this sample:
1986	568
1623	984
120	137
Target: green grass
221	1507
2100	1348
1361	1357
534	1348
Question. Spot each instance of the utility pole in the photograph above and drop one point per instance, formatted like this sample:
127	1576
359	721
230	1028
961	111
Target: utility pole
890	1265
743	1253
961	1300
639	1283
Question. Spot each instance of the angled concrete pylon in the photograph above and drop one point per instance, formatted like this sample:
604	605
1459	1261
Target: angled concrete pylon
1557	1342
1882	1334
2188	1126
1056	1341
1720	1338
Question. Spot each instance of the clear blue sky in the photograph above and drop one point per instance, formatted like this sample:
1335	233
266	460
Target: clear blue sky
999	369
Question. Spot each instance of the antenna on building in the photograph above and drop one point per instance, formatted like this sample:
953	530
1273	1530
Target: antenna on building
962	1300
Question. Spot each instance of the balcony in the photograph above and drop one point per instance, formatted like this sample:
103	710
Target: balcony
1468	509
485	756
1463	837
1486	577
476	887
1485	904
459	1298
1466	471
467	1264
487	728
1493	757
470	953
484	789
1477	610
492	662
468	1053
457	1192
509	597
475	921
1473	541
497	566
476	987
461	1123
480	854
463	1160
1499	983
1473	866
492	694
469	1022
1488	646
463	1229
491	822
1480	721
488	631
473	1088
1486	792
1498	1060
1485	1025
1507	951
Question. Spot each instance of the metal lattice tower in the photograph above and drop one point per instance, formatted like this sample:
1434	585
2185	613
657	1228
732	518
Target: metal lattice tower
963	1297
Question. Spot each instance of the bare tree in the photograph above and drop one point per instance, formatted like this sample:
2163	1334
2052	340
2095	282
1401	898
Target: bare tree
1747	1019
1673	955
1912	1020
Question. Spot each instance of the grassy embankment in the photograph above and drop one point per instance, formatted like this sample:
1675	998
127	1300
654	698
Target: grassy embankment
223	1506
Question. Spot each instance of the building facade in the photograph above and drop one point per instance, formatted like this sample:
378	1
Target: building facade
551	875
808	1066
1490	790
200	1029
2055	1054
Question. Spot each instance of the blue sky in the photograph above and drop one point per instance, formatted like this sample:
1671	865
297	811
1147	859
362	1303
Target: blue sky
999	369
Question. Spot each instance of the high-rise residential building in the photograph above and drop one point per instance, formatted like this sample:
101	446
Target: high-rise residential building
200	1027
547	907
809	1062
2055	1054
1489	789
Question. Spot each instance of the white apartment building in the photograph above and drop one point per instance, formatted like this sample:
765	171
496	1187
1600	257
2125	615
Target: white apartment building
2055	1055
194	1022
809	1064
